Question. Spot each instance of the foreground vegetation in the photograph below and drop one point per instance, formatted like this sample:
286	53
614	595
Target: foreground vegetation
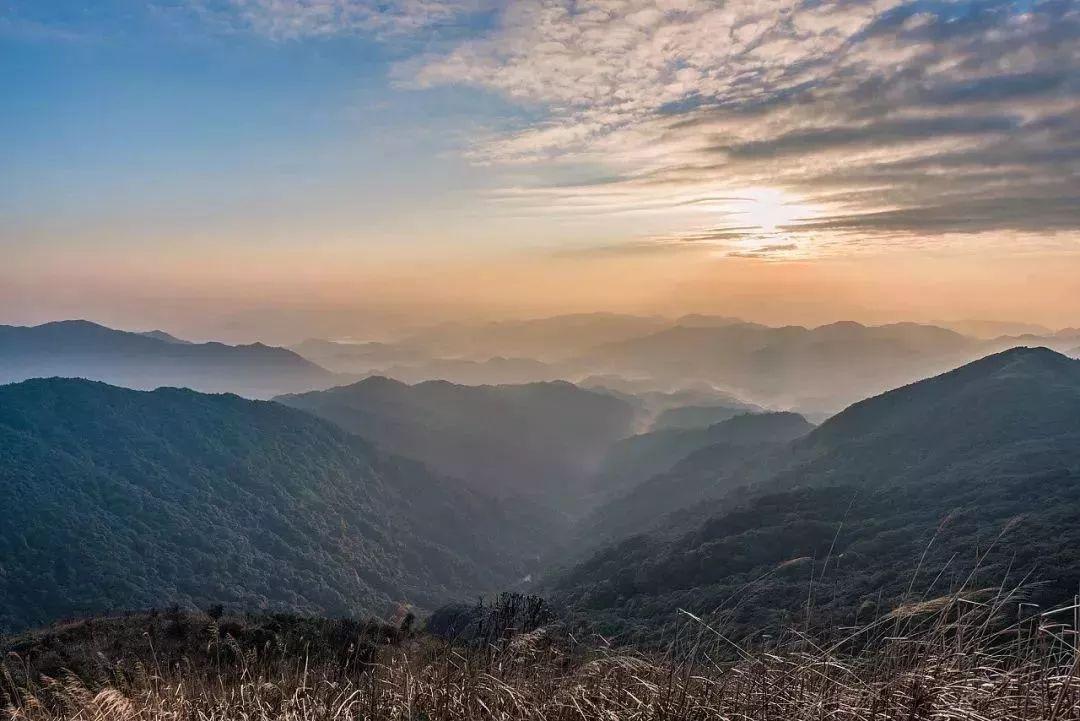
948	658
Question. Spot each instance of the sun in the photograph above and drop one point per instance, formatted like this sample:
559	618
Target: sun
769	210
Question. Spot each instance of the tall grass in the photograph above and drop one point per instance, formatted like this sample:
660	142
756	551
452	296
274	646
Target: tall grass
966	657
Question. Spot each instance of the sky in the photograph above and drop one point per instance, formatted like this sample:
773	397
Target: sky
273	169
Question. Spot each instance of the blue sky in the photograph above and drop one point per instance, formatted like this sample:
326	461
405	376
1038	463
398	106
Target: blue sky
150	116
268	155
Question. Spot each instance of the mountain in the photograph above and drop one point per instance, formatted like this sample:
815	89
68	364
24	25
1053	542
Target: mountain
819	369
162	335
634	460
967	480
1075	352
122	499
80	349
540	440
1012	411
650	475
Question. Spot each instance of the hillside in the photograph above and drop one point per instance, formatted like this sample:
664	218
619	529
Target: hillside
80	349
638	458
121	499
540	440
992	448
1014	411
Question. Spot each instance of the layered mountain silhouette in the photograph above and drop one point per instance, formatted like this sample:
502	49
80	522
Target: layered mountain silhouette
540	440
122	499
820	369
80	349
976	472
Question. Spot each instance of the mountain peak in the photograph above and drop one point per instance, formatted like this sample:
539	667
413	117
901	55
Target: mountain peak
1026	357
985	398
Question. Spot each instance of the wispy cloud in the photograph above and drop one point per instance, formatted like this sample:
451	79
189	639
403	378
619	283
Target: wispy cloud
884	118
295	19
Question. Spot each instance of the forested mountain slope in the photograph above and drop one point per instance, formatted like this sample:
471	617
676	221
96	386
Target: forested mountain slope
120	499
636	459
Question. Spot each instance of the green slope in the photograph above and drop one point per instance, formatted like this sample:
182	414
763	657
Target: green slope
119	499
990	449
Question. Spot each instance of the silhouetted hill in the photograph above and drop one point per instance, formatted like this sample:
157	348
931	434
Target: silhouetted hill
121	499
80	349
162	335
971	478
540	440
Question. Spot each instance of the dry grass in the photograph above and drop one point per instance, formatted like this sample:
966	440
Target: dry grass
950	658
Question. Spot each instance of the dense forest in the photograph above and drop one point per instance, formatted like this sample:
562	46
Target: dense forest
120	499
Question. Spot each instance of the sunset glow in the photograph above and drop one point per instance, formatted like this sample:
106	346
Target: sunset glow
291	155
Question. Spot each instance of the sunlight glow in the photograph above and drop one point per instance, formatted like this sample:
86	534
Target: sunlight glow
770	209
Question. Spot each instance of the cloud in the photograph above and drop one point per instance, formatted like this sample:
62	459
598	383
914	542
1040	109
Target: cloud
885	118
295	19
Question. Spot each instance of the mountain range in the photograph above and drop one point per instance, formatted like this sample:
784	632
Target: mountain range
120	499
661	481
819	369
80	349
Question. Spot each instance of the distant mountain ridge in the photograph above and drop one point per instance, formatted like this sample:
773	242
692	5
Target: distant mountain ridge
540	440
122	499
81	349
816	369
